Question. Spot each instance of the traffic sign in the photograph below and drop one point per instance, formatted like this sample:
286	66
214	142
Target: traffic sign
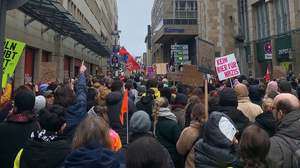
268	48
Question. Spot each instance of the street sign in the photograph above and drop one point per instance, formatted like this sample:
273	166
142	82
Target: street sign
268	48
116	49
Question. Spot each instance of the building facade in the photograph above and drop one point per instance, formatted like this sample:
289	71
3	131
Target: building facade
49	38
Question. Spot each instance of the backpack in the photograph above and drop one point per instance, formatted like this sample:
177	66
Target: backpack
295	149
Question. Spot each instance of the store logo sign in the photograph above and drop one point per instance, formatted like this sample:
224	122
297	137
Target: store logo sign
284	51
169	30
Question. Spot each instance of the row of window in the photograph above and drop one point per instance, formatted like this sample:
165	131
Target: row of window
189	5
180	21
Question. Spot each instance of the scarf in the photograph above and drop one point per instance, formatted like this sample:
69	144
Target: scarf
44	135
24	116
166	113
177	106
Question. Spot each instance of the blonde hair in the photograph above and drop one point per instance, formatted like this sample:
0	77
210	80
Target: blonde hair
198	114
161	102
267	105
92	129
192	101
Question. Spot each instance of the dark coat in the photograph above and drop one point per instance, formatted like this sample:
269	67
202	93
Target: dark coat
266	122
114	102
93	155
145	104
215	150
13	135
38	153
255	95
187	118
77	113
90	104
4	112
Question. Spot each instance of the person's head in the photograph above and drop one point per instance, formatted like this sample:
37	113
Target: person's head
228	97
241	90
272	86
181	99
245	82
193	100
24	101
53	118
109	82
165	81
293	79
189	90
40	103
161	102
54	85
64	96
128	85
101	81
21	88
272	94
92	129
241	78
198	114
267	105
141	90
283	104
146	152
43	88
101	112
173	89
153	83
285	87
132	76
279	80
91	94
114	59
213	101
199	93
150	92
140	122
49	96
160	85
117	86
254	147
166	92
262	81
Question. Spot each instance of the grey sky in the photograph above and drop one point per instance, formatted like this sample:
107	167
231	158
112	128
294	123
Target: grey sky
134	17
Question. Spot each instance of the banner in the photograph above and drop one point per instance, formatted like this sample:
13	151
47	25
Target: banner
130	63
161	68
227	67
279	71
114	61
190	75
11	55
174	76
48	71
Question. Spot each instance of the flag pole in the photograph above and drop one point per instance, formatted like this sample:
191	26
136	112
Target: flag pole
127	128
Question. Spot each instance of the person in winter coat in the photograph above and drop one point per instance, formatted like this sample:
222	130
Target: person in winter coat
114	102
272	86
91	146
179	105
153	83
48	141
185	119
244	104
166	130
286	111
140	127
228	105
91	96
104	91
5	97
254	91
218	147
76	107
294	82
199	93
17	127
146	103
213	104
286	87
141	91
96	85
166	92
129	87
266	120
190	135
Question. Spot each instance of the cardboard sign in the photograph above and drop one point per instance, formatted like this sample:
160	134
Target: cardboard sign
227	67
174	76
11	55
48	71
159	60
161	68
279	71
206	52
127	73
190	75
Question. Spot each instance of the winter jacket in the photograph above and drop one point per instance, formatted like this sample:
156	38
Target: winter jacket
212	109
255	96
13	136
178	110
146	104
167	133
37	152
135	136
77	113
4	112
114	102
103	92
249	109
280	154
266	122
6	95
157	93
239	119
115	140
294	85
138	98
187	118
96	86
91	104
186	142
215	149
93	155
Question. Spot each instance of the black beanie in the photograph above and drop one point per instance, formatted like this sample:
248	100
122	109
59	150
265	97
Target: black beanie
24	101
228	97
181	99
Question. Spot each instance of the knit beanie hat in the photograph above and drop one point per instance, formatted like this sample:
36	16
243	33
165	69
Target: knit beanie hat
181	99
241	90
24	101
40	103
228	97
285	87
140	122
273	86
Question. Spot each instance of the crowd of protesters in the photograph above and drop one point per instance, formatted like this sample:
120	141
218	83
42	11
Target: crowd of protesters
250	123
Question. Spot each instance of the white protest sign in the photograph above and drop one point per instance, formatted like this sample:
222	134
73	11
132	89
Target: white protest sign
227	67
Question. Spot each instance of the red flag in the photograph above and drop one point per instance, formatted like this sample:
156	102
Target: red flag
130	63
124	108
267	77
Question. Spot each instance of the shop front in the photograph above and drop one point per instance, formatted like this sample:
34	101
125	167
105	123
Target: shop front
284	50
264	57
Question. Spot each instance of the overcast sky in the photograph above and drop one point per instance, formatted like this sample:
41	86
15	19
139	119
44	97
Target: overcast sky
134	18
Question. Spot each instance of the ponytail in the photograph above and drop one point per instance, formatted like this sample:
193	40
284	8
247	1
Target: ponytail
161	102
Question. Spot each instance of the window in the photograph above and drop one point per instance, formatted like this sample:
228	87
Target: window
185	9
281	15
262	20
244	19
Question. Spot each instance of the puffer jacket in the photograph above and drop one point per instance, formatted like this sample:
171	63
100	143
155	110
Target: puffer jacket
215	149
103	92
266	122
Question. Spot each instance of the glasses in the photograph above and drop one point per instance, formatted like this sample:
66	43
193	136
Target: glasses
273	108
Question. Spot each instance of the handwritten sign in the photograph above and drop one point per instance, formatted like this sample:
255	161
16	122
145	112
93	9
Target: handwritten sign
127	73
159	60
12	53
48	71
279	71
227	67
190	75
161	68
174	76
206	52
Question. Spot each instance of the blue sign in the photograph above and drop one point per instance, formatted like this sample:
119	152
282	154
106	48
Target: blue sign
169	30
114	48
268	48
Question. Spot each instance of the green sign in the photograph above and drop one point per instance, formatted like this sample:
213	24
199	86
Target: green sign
12	53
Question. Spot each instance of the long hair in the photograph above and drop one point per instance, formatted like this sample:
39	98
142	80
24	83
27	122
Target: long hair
92	129
161	102
189	90
199	93
64	96
102	112
254	147
146	152
198	114
192	101
267	105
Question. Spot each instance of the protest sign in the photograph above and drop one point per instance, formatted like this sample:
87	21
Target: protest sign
127	73
48	71
174	76
150	72
161	68
227	67
279	71
190	75
11	55
159	60
206	56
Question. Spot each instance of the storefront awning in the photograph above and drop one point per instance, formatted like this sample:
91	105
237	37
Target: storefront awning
57	18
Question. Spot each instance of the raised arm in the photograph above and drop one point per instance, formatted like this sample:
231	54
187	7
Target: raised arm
82	92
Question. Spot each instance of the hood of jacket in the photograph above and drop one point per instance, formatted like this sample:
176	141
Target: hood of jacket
114	97
266	119
93	155
135	136
289	125
104	91
241	90
255	81
147	99
96	85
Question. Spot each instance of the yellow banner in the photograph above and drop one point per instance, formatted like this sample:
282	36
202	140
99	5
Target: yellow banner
11	55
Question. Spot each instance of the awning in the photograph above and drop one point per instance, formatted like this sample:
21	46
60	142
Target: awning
57	18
